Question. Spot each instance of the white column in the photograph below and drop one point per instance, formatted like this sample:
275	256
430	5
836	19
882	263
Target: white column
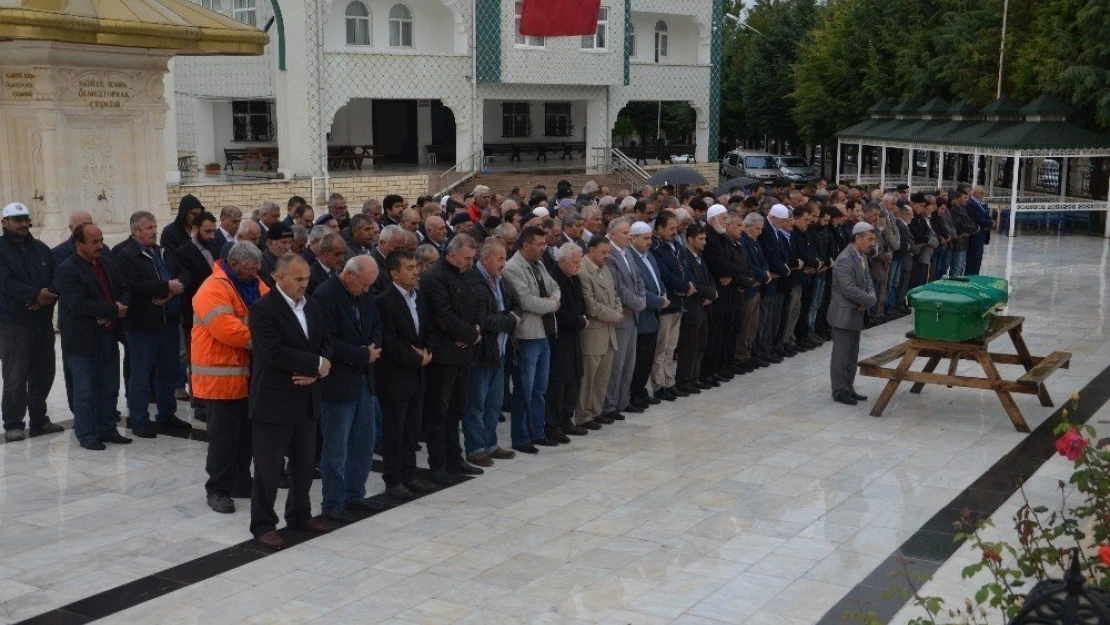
975	170
940	169
882	168
909	168
1106	224
1014	193
169	133
836	175
1064	179
859	162
293	91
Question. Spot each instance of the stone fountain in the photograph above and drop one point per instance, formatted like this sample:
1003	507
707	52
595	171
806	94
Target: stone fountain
83	103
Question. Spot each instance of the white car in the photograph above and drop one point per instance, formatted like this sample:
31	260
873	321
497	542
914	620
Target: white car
682	158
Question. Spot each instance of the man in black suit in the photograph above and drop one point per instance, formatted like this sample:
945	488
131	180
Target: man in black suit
291	353
196	259
330	255
230	218
391	239
347	421
400	377
92	294
62	251
566	366
695	315
156	282
453	331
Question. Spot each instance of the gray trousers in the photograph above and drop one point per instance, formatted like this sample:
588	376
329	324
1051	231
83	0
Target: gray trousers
845	355
619	391
792	311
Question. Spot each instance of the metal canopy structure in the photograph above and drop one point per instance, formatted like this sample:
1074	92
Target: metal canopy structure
1001	130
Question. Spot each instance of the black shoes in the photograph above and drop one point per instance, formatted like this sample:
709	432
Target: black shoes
221	503
93	445
633	408
856	396
616	416
367	505
663	395
173	423
440	477
592	424
651	401
13	435
144	430
557	435
526	449
420	486
47	428
464	469
400	492
545	442
341	515
576	430
604	419
117	438
844	397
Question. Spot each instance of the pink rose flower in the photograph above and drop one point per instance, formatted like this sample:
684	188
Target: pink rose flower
1071	444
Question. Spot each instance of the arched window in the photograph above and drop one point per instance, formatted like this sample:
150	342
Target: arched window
660	40
400	27
358	24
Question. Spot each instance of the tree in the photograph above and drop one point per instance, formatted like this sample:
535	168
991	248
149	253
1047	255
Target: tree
623	129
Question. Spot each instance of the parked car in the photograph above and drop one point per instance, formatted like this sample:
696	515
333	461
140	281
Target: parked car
682	158
796	169
759	165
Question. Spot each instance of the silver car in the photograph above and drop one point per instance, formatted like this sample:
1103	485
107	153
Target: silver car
796	169
759	165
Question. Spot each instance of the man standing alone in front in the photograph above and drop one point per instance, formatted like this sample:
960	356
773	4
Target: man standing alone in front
852	294
291	354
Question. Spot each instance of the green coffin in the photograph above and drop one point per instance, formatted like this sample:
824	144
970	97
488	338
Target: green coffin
957	309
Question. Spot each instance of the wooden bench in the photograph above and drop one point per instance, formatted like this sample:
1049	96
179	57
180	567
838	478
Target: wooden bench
1046	367
264	157
541	150
1037	369
352	156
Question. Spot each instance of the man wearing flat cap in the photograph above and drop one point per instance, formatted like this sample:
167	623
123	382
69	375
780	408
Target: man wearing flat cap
852	294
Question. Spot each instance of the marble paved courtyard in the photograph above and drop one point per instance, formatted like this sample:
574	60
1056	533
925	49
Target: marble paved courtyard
761	502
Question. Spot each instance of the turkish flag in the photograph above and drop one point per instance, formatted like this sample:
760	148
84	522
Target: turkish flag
559	18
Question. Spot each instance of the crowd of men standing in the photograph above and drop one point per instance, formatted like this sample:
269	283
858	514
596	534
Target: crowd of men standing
311	341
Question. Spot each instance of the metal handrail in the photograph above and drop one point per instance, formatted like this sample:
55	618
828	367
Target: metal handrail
463	170
629	164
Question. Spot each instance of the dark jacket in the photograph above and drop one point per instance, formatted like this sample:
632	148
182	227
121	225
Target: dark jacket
566	347
647	320
980	214
176	234
757	264
695	312
400	374
80	295
907	248
266	270
776	255
141	278
453	313
281	350
801	252
317	276
26	268
492	321
64	250
671	272
384	280
725	260
194	264
351	337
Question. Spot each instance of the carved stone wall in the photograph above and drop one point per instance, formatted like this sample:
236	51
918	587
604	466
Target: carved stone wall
81	129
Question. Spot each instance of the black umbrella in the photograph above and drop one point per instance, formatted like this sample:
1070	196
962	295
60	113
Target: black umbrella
742	182
677	176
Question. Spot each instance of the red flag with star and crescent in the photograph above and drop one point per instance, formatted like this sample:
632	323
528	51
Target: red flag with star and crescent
559	18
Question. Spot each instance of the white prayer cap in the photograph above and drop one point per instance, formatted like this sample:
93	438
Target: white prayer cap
714	211
540	211
861	227
639	228
778	211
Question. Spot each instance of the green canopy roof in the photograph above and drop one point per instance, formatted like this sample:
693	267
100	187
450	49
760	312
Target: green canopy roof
1044	127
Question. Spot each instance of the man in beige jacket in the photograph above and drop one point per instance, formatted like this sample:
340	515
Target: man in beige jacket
599	338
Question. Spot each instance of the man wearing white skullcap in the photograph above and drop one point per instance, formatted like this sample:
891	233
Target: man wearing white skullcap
852	294
630	290
776	250
647	322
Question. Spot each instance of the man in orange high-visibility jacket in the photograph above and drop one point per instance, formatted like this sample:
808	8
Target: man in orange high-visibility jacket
221	363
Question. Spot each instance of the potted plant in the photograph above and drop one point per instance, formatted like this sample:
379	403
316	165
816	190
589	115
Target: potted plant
212	169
